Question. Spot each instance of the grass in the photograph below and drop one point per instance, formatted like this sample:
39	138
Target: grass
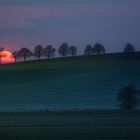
79	82
83	81
109	132
113	128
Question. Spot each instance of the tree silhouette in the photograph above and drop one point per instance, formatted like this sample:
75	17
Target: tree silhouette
24	52
38	51
73	50
98	48
128	97
129	48
49	51
88	50
16	55
1	49
63	49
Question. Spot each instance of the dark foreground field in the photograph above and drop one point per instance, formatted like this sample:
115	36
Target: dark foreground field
84	125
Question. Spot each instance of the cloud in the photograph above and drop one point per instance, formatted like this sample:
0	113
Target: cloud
19	16
42	2
64	2
76	21
62	23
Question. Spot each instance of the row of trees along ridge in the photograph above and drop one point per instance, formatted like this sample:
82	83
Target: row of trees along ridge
64	50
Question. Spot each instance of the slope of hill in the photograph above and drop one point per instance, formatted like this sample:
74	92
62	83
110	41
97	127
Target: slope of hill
79	82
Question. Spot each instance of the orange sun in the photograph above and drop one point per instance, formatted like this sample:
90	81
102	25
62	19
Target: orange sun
6	57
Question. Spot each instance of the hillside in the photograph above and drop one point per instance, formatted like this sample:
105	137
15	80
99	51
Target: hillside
83	81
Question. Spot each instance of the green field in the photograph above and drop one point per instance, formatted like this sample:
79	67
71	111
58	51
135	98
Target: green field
79	82
92	125
83	82
99	132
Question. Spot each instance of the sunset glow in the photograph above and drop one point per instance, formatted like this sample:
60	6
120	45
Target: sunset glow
6	57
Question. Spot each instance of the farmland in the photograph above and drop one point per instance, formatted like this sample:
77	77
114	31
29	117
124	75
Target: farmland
68	98
72	82
98	125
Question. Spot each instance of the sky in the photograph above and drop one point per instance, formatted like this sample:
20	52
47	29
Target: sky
26	23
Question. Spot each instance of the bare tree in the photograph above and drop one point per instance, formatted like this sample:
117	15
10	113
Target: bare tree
49	51
98	48
63	49
73	50
88	50
24	52
38	51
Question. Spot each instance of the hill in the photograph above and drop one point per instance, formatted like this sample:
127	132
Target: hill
78	82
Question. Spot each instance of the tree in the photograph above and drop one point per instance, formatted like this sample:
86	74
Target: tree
38	51
49	51
128	97
129	48
73	50
63	49
88	50
24	52
16	55
98	48
1	49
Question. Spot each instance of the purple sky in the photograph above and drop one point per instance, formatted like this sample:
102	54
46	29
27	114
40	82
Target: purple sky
77	22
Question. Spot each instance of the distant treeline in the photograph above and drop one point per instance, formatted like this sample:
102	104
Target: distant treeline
64	50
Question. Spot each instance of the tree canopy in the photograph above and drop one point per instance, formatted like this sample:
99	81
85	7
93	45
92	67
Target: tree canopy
128	97
73	50
24	52
49	51
88	50
38	51
98	48
129	48
64	49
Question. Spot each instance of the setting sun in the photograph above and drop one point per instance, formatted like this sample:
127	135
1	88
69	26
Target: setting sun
6	57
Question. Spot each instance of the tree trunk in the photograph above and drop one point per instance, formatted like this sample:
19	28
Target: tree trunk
48	55
15	59
0	59
72	53
39	57
64	53
24	58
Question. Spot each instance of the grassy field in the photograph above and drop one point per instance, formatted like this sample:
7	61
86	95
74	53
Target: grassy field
96	125
83	81
100	132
